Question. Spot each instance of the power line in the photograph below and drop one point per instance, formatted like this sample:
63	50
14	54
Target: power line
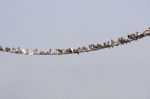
82	49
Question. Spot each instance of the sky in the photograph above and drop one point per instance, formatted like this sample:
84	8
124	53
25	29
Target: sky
119	73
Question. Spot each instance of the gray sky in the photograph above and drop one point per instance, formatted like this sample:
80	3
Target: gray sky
119	73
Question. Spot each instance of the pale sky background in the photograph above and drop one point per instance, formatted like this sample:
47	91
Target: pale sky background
119	73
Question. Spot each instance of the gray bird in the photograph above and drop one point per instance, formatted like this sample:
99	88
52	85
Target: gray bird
7	49
1	49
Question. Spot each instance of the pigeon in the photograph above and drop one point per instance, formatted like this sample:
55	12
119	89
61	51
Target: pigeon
7	49
1	49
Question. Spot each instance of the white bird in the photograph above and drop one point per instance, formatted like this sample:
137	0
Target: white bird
31	53
71	49
23	51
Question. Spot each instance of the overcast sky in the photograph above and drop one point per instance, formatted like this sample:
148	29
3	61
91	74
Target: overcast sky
119	73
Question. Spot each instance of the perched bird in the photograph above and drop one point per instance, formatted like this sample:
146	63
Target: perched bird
146	32
84	49
115	43
105	44
149	31
80	49
24	52
42	53
59	51
100	46
70	50
93	47
35	51
1	49
18	50
127	41
7	49
31	53
65	51
12	50
131	37
76	51
137	35
50	51
121	40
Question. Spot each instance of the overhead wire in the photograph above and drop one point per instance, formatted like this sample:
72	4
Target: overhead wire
81	49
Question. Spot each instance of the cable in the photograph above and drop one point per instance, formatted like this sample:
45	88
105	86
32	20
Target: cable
91	47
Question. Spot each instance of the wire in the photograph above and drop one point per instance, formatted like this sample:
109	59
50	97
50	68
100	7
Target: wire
82	49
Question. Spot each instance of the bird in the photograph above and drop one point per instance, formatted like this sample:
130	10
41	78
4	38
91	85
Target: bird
42	53
18	50
70	50
59	51
146	32
35	51
1	49
100	46
7	49
31	53
76	51
84	48
65	51
149	31
50	50
92	47
24	52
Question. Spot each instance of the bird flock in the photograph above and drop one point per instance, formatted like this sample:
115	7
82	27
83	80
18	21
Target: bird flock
91	47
